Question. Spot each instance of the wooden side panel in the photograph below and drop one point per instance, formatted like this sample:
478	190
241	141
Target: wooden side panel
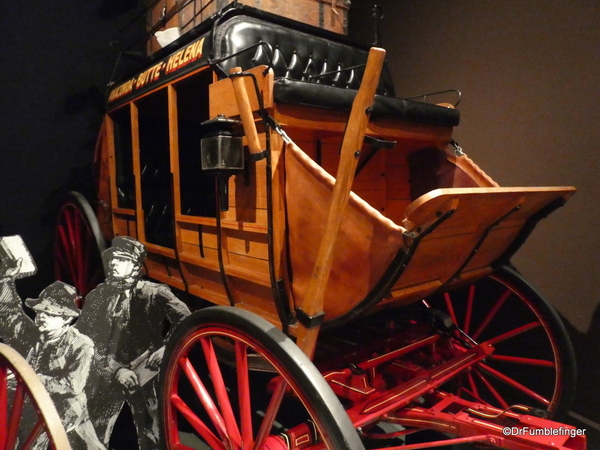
124	223
164	269
254	297
397	196
199	241
248	194
365	246
203	282
222	96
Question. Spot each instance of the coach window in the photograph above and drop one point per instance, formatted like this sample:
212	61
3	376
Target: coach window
157	204
197	189
121	122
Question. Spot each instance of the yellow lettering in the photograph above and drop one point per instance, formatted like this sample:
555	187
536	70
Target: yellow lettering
155	72
177	62
186	55
197	53
121	90
180	59
169	65
138	80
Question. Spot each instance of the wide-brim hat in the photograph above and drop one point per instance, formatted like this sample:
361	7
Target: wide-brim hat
125	247
59	299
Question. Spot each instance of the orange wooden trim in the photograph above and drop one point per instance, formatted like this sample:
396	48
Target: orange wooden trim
222	98
163	277
313	301
243	103
164	251
323	121
244	226
124	211
565	191
197	220
248	274
473	170
174	147
110	144
137	172
207	263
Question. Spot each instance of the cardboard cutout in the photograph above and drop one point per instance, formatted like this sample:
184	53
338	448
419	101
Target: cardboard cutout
109	357
129	320
59	354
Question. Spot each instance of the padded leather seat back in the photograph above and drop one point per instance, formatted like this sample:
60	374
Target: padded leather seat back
297	55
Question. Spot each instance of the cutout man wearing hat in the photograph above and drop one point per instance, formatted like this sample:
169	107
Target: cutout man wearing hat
126	317
58	353
61	357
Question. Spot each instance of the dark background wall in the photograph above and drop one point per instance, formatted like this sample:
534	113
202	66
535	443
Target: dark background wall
529	73
55	62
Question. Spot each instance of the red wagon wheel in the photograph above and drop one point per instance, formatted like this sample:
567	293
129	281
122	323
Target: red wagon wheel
231	380
20	390
533	363
78	245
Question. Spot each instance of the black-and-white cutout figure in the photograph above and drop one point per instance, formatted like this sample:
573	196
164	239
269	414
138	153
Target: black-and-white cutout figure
128	319
15	262
61	358
59	354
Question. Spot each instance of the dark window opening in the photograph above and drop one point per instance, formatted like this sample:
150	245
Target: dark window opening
121	119
197	189
157	202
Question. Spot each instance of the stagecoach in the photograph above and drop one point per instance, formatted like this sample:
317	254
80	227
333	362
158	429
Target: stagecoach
349	265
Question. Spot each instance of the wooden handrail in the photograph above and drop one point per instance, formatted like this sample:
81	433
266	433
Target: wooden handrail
243	101
312	303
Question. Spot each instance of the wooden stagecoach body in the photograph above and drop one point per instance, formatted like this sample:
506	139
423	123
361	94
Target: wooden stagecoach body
419	219
350	202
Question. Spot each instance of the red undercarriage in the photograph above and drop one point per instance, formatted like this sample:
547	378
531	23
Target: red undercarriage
404	386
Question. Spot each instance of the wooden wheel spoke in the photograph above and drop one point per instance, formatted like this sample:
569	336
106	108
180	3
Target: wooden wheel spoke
526	361
450	308
33	436
216	376
15	417
69	250
196	423
270	413
472	384
515	384
474	395
533	359
78	245
492	390
491	314
204	397
243	382
69	224
43	431
512	333
240	354
469	312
